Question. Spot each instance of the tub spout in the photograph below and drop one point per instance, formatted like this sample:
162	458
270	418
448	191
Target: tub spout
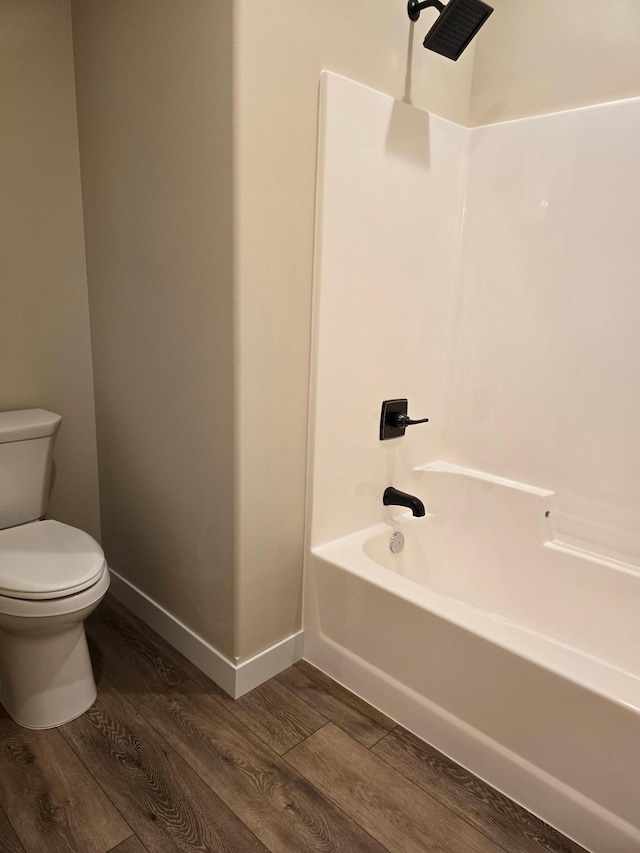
394	497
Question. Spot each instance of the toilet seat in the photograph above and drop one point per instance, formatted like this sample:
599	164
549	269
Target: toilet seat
48	560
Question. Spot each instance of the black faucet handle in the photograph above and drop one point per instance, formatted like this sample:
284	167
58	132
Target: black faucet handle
405	420
394	419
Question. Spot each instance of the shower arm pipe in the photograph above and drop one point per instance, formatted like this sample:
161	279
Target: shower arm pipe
414	7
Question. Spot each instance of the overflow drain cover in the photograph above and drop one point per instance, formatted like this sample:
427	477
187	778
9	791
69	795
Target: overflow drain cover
396	543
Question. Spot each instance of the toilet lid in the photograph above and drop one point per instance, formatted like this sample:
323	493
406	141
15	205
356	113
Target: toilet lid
47	559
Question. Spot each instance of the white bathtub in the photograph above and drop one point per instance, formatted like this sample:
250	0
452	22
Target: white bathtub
508	638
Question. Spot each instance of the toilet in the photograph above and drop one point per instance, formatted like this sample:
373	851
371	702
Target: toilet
52	576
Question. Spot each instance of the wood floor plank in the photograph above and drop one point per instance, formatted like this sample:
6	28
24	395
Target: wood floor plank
9	842
122	614
350	713
392	809
275	714
131	845
272	799
498	817
268	711
164	801
281	716
53	802
135	666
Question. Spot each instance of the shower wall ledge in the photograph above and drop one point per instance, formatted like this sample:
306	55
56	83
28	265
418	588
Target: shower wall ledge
450	468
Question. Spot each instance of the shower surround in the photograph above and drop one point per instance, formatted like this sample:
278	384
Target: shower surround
490	276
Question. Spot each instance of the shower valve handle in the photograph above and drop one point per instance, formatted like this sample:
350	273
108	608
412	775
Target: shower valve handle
394	419
403	420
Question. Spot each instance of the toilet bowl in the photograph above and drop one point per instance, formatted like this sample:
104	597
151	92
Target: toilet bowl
52	577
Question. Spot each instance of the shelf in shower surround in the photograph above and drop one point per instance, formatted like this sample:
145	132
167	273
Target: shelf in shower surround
450	468
599	543
592	541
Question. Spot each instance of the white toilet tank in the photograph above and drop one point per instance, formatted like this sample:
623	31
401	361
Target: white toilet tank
26	453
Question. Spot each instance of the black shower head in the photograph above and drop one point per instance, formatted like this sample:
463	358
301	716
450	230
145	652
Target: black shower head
457	24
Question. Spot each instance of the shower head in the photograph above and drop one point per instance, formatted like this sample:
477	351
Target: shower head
457	24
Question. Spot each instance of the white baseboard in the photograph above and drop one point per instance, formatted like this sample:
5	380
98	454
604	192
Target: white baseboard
270	662
234	679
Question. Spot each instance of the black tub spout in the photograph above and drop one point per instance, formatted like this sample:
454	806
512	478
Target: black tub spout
394	497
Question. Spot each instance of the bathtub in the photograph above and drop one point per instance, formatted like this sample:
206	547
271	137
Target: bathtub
505	634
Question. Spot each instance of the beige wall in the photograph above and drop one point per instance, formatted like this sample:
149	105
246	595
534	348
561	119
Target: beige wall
45	354
154	111
281	48
539	56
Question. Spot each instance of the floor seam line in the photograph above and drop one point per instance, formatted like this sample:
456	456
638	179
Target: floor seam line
498	844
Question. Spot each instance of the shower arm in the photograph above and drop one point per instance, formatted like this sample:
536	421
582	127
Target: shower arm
414	7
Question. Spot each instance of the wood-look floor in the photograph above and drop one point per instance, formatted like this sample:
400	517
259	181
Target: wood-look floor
165	761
